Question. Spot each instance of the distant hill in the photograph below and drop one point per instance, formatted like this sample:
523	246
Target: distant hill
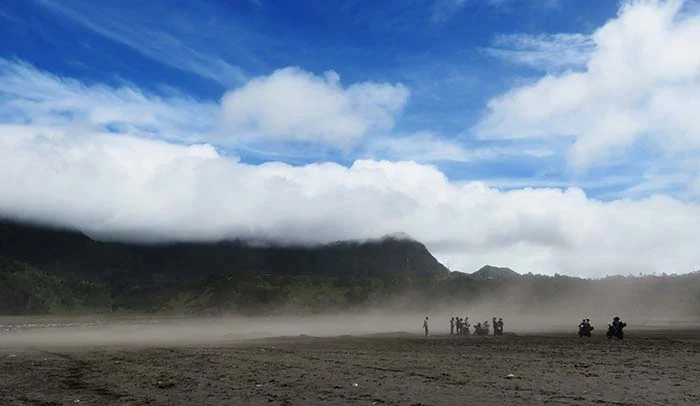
494	272
59	250
140	276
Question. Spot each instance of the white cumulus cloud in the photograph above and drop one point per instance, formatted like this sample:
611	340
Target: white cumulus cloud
292	104
642	81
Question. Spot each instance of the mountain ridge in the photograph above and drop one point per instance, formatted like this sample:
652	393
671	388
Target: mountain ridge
48	246
44	268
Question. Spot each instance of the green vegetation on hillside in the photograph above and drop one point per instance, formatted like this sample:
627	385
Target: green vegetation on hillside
27	290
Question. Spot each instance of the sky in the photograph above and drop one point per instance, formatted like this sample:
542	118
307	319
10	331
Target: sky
552	136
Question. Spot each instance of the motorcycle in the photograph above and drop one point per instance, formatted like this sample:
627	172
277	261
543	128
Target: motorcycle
584	330
616	331
480	330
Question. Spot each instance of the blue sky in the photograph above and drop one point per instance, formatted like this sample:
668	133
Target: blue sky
542	128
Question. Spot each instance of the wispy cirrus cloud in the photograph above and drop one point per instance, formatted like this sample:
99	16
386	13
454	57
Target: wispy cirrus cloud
444	9
161	39
429	147
550	52
419	147
28	95
6	16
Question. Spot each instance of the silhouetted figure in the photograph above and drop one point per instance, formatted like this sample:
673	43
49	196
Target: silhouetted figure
425	325
466	326
615	328
494	323
500	326
452	326
481	329
585	328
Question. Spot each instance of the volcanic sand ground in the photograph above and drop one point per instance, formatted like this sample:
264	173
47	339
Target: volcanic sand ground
647	368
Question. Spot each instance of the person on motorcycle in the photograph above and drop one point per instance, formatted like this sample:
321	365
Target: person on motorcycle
615	328
616	324
585	328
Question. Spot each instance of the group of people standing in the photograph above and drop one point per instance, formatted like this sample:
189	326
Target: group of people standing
462	326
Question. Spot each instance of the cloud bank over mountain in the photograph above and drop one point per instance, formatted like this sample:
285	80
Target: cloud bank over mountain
147	189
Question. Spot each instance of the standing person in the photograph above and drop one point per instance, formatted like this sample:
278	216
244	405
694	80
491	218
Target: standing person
494	323
500	326
452	326
466	325
425	325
